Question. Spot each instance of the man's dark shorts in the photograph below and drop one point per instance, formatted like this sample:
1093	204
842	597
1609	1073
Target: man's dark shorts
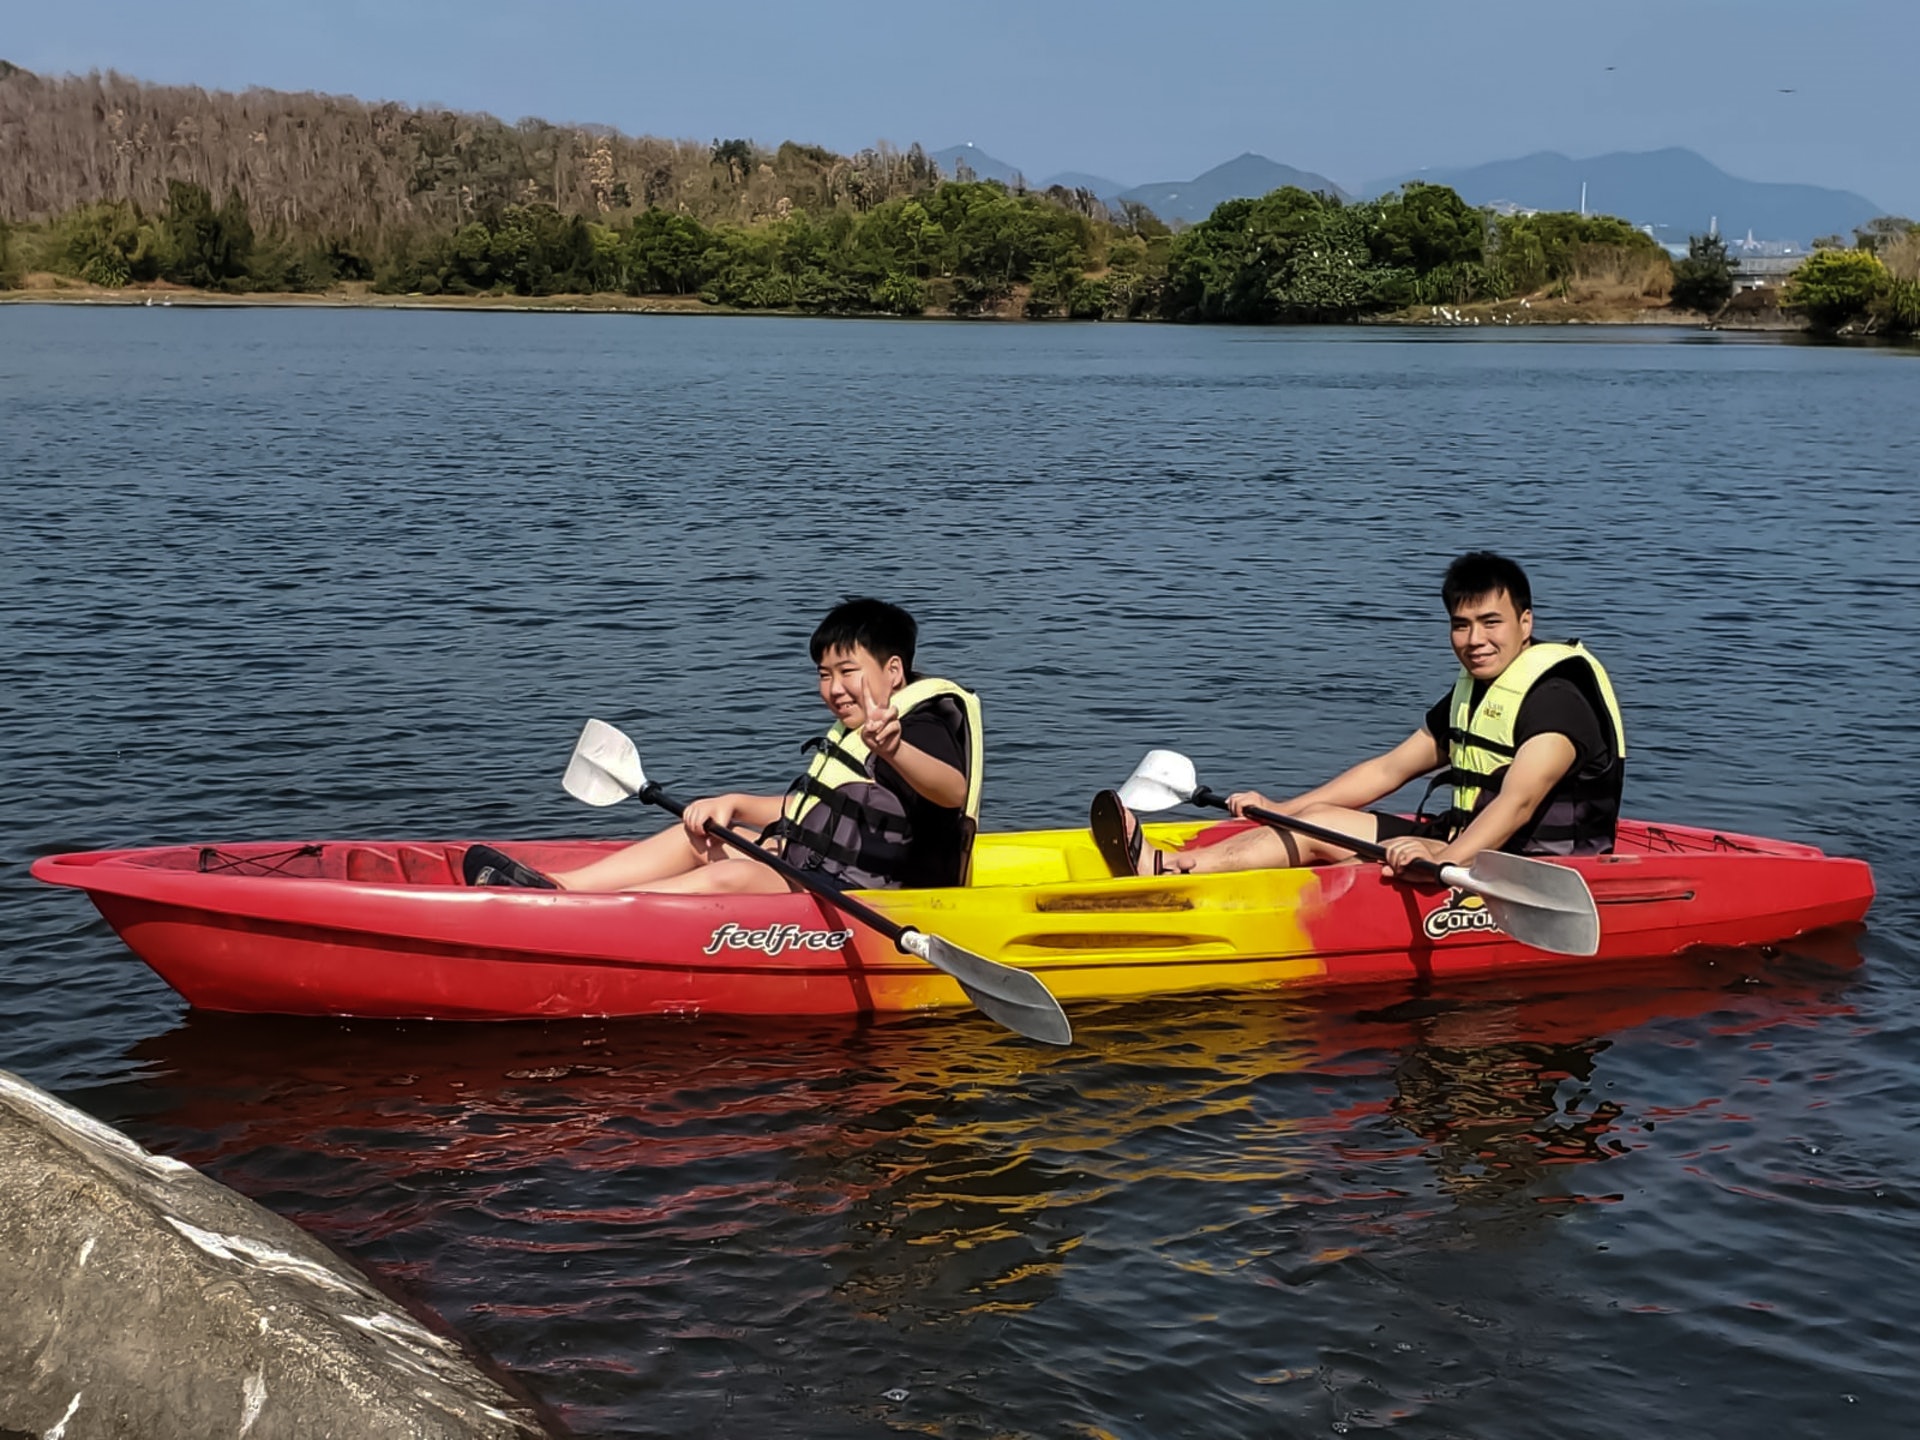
1392	827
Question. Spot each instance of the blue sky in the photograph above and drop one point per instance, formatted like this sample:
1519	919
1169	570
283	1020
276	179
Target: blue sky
1131	90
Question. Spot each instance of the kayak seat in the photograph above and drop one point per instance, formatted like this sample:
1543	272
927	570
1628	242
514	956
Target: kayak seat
373	867
426	865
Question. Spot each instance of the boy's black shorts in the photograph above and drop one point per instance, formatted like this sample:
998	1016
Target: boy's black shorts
1392	827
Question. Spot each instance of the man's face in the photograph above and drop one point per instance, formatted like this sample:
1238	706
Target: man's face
851	679
1488	633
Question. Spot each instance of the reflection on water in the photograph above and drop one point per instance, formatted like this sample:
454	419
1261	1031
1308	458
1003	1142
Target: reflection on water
808	1229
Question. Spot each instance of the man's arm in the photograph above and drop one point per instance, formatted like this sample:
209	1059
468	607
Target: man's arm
1360	786
1537	767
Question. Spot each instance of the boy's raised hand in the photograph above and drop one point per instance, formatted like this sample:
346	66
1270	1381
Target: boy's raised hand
881	729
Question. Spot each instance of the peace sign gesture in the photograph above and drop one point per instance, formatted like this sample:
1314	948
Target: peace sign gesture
881	729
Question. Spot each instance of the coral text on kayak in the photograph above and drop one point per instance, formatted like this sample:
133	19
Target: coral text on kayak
775	939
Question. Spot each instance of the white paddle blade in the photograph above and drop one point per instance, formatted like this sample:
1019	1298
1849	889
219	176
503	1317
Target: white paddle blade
1162	780
1017	999
605	768
1537	902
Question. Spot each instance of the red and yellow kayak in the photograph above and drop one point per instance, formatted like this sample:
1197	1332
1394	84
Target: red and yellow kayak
386	929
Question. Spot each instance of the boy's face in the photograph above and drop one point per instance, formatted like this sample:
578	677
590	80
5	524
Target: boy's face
850	680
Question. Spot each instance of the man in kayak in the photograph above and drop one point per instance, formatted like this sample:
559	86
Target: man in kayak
1530	736
891	798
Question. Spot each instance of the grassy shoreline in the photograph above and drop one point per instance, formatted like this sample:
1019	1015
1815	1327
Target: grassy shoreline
1594	309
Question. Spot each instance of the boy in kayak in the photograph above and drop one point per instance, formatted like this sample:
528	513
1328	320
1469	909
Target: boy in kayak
1530	734
891	798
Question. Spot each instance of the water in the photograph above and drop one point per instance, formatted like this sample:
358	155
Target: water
285	574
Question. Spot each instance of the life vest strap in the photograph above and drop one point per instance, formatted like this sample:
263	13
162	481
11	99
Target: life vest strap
1457	736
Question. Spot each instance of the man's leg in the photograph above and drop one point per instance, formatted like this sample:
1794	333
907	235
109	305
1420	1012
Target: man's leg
1264	848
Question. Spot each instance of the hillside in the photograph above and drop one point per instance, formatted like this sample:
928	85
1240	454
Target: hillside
1676	191
983	165
1243	177
350	167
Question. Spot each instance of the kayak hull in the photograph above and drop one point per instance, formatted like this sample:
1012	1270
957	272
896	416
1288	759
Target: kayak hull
385	929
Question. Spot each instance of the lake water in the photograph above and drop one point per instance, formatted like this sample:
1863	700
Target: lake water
308	574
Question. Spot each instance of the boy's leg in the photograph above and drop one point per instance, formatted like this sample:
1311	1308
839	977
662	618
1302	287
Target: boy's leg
730	875
671	852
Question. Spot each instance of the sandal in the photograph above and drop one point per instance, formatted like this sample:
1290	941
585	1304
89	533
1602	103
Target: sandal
484	865
1116	834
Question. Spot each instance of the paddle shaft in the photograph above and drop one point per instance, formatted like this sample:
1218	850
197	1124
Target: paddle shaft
1365	849
839	899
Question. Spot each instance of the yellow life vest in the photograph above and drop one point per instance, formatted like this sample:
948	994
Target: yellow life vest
837	817
1578	816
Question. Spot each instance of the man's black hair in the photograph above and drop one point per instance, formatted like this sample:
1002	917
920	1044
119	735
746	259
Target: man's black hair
883	630
1481	572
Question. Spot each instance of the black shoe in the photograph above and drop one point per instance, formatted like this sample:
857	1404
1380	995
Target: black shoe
485	865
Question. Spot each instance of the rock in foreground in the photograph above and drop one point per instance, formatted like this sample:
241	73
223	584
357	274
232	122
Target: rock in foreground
140	1298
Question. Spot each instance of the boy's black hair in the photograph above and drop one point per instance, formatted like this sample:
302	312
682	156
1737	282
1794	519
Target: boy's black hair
1481	572
883	630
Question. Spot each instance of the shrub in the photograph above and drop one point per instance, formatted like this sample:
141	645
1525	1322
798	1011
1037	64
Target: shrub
1704	280
1835	287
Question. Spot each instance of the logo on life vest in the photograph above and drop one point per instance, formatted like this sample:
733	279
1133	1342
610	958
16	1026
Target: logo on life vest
1460	913
775	939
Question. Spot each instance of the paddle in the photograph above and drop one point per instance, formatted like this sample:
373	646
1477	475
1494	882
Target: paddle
605	769
1538	903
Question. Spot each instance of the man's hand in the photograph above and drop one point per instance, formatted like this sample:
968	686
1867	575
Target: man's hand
881	729
1241	799
1408	850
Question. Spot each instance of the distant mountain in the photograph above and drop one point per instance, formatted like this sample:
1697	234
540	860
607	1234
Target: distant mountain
983	165
1676	191
1079	180
1247	176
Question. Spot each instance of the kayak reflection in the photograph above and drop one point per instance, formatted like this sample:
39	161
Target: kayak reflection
1504	1087
595	1197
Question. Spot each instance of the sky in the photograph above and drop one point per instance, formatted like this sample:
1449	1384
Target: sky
1816	91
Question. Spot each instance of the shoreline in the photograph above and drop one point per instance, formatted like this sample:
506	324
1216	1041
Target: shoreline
1521	311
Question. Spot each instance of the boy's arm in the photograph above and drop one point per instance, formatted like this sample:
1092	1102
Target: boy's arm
932	777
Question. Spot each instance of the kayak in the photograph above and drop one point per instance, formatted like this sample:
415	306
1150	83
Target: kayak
386	929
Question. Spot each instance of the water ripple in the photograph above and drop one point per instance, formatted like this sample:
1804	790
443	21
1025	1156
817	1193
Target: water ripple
292	575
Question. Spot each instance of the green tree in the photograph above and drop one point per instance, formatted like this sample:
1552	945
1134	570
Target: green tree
1548	248
1290	255
667	254
1426	226
1834	287
736	156
204	247
1704	280
1898	307
899	294
104	244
